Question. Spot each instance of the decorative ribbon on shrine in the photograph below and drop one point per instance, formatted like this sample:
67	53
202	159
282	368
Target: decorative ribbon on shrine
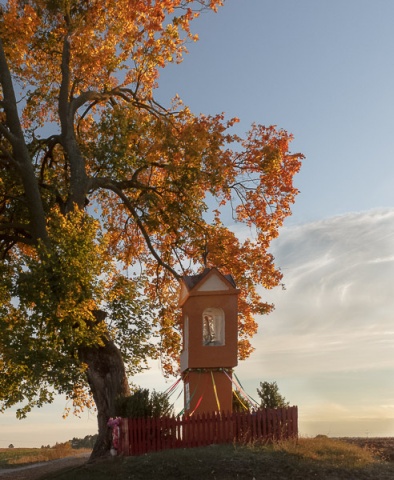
198	404
177	398
192	395
243	390
239	400
170	389
215	392
240	388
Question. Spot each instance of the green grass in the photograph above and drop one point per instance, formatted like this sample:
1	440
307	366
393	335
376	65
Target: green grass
17	457
319	458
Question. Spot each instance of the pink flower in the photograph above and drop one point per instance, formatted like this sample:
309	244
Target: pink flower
113	422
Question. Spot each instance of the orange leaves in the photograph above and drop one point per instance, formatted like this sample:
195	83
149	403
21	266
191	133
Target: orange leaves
17	29
190	172
271	169
112	43
167	185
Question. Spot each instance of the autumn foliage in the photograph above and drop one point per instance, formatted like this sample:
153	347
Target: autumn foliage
107	197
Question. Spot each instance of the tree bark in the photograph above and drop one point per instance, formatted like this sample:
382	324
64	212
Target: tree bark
21	160
78	177
107	379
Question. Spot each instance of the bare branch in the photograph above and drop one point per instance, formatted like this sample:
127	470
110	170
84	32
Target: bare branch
126	94
13	226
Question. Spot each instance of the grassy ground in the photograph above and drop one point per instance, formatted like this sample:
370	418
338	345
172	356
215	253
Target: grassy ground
318	458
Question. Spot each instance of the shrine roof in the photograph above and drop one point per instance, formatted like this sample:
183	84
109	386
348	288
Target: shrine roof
192	280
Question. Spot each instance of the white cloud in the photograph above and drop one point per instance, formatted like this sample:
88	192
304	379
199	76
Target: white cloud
338	275
330	341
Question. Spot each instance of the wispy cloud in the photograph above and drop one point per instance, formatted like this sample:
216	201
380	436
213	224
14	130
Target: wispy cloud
335	319
338	272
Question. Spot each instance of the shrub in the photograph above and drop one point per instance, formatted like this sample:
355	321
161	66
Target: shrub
270	396
144	404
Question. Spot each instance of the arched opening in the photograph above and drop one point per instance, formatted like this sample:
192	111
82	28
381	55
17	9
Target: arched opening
213	327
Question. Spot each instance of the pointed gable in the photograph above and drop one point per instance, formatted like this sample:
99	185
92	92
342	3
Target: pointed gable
210	280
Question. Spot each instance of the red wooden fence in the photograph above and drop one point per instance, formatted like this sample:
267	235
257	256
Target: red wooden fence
143	435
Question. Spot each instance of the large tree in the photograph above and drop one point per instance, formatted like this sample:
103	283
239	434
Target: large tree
107	198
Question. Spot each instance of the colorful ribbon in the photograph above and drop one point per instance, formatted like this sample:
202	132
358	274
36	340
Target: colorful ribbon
253	400
240	401
215	392
240	389
198	404
192	396
172	387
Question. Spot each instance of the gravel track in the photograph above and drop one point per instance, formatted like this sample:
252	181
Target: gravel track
37	470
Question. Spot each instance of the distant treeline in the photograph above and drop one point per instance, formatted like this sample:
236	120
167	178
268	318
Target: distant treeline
87	442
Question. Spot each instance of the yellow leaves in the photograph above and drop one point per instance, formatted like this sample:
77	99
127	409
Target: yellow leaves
81	398
69	282
272	159
172	31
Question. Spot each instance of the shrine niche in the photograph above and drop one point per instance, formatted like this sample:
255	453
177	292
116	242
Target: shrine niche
213	327
209	304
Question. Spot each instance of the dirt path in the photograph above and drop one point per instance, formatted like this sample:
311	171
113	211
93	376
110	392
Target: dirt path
37	470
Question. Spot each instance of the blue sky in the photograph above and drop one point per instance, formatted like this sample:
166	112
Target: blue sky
320	70
323	70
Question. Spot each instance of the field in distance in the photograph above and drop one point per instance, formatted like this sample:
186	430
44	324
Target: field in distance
19	457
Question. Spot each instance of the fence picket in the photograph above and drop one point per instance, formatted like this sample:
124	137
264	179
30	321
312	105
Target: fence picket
141	435
133	432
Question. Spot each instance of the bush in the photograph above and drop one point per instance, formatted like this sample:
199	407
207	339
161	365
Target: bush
86	442
144	404
62	447
270	396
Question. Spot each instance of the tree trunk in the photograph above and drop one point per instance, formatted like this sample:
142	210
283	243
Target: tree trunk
107	379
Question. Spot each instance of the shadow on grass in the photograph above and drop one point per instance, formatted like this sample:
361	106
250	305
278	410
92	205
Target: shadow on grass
228	463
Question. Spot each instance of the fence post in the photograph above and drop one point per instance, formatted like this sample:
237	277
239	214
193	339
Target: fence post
295	421
133	436
278	418
124	442
150	438
201	422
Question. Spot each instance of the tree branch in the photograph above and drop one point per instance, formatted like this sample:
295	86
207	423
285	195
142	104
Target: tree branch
21	155
114	188
126	94
14	226
7	134
9	158
78	177
106	182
